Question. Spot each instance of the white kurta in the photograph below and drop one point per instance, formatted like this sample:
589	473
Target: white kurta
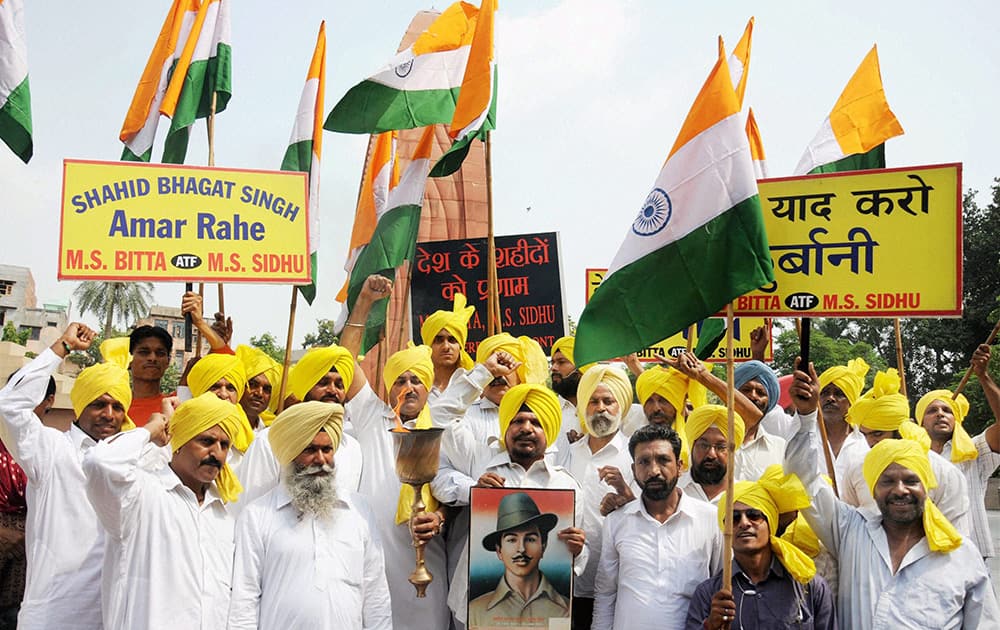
295	571
753	457
649	570
694	490
583	466
977	473
372	420
944	591
169	559
260	470
951	494
64	542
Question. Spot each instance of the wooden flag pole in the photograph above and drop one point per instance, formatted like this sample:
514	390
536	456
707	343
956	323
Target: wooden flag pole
493	325
968	372
405	311
690	336
899	356
727	538
210	124
283	390
197	338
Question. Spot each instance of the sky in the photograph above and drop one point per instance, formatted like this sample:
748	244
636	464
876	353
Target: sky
592	94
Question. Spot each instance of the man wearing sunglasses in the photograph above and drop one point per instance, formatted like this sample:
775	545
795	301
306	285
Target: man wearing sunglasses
775	585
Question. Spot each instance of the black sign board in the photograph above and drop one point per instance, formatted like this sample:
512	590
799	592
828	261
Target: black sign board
528	281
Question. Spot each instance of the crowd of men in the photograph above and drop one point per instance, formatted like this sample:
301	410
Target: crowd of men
207	509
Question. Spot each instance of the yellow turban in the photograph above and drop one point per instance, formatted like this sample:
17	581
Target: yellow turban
614	379
962	447
456	322
674	386
534	365
212	367
564	345
707	416
100	379
256	362
294	428
800	534
542	402
416	359
315	364
202	413
882	408
773	494
849	378
941	535
115	350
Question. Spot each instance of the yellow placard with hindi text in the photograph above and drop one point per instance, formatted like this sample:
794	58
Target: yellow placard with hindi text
678	343
882	243
133	221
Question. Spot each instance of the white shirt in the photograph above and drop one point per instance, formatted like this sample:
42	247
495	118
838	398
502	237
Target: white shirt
380	486
753	457
295	571
583	466
169	559
785	426
951	494
649	570
694	490
977	472
944	591
64	542
260	470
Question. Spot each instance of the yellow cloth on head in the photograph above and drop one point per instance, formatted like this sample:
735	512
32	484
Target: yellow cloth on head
416	359
100	379
534	365
456	322
542	402
567	345
849	378
212	367
775	493
614	379
800	534
115	350
199	414
256	362
962	447
941	534
315	364
882	408
296	427
674	386
707	416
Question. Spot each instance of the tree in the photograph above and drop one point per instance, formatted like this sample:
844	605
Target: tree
825	350
269	345
11	333
123	302
171	378
324	335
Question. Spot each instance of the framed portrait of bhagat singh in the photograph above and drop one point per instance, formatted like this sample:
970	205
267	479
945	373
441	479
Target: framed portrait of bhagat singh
520	573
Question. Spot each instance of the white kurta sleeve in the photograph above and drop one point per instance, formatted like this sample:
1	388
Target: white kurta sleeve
20	429
606	586
376	608
244	604
114	483
450	486
462	391
981	609
952	494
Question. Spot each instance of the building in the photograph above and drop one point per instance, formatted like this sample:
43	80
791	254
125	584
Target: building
19	307
170	319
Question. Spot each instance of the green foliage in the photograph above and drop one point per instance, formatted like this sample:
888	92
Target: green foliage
111	302
11	333
269	345
92	355
324	335
171	378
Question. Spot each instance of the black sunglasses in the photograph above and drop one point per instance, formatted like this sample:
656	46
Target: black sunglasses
753	515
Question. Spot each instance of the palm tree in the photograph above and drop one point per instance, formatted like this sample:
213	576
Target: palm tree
124	302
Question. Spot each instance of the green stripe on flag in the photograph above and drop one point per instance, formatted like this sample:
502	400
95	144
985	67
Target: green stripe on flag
308	291
629	312
371	107
394	240
298	156
203	78
453	158
857	162
15	121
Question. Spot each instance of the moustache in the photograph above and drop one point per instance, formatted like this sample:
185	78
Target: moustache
318	469
211	461
521	558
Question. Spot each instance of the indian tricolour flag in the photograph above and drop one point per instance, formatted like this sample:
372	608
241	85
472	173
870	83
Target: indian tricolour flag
739	62
168	68
15	97
419	86
394	238
475	112
697	243
756	146
305	147
853	135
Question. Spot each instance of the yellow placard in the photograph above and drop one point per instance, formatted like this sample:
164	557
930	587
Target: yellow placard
884	243
678	343
132	221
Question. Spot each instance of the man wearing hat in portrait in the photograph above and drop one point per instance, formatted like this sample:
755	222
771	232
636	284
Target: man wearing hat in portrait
523	592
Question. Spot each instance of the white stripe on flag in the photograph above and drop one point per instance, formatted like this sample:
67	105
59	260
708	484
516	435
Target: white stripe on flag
432	71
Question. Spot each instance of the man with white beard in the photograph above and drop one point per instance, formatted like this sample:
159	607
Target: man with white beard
307	557
601	464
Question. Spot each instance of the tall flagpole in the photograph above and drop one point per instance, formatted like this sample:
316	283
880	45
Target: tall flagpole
283	390
727	536
899	356
210	124
493	325
968	372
